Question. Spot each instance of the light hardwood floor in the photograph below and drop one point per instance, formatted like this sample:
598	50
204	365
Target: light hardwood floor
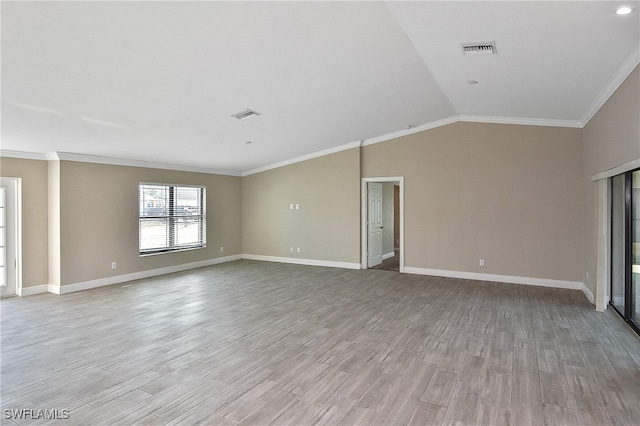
258	343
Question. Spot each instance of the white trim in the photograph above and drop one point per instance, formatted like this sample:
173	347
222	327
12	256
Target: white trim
35	289
101	282
405	132
622	168
17	200
69	156
19	264
298	261
23	154
520	121
587	292
388	255
306	157
542	282
363	218
603	255
618	78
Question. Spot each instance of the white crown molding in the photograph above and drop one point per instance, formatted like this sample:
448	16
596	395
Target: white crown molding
23	155
520	121
101	282
618	78
311	156
298	261
405	132
69	156
474	119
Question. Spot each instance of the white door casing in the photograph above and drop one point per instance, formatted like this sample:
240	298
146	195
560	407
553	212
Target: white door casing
9	237
364	210
374	224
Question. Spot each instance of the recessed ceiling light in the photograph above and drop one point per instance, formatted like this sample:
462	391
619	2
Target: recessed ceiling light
472	81
625	10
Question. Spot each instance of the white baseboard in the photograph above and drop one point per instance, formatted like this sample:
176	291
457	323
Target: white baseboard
298	261
34	289
70	288
587	293
543	282
388	255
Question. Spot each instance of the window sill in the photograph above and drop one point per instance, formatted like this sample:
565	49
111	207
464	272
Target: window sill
159	252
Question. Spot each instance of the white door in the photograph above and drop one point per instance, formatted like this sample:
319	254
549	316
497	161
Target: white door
8	237
374	224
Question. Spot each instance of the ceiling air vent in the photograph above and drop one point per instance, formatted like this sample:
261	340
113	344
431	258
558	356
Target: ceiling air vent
479	48
242	115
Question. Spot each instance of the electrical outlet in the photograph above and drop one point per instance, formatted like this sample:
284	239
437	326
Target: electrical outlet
297	206
291	206
113	265
290	249
481	262
221	249
298	249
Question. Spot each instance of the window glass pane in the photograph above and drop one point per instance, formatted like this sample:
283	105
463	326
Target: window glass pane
188	231
154	200
154	233
188	201
618	240
635	247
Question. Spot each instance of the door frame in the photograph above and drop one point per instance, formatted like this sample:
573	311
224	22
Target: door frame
364	215
627	225
17	201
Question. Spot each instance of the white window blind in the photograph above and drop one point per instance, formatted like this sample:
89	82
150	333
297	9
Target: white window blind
171	217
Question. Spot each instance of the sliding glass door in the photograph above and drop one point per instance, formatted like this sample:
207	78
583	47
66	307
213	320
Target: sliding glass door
625	246
635	247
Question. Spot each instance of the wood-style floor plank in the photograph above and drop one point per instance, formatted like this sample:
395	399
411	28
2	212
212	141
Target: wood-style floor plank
257	343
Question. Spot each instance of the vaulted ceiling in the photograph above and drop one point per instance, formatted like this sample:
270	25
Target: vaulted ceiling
159	81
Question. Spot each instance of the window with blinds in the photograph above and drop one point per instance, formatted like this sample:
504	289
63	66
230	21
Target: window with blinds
171	218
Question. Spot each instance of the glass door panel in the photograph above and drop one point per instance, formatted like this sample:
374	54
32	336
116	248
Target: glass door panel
635	247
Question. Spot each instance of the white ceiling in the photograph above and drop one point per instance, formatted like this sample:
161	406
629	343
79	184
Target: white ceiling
158	81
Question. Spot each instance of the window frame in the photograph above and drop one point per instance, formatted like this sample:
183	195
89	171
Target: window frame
173	218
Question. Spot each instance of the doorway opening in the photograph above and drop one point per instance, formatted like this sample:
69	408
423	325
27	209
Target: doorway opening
382	223
10	237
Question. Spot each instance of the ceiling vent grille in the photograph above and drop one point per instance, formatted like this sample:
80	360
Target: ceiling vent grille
247	113
479	48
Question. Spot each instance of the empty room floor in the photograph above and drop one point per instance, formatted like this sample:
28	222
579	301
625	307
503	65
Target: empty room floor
264	343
